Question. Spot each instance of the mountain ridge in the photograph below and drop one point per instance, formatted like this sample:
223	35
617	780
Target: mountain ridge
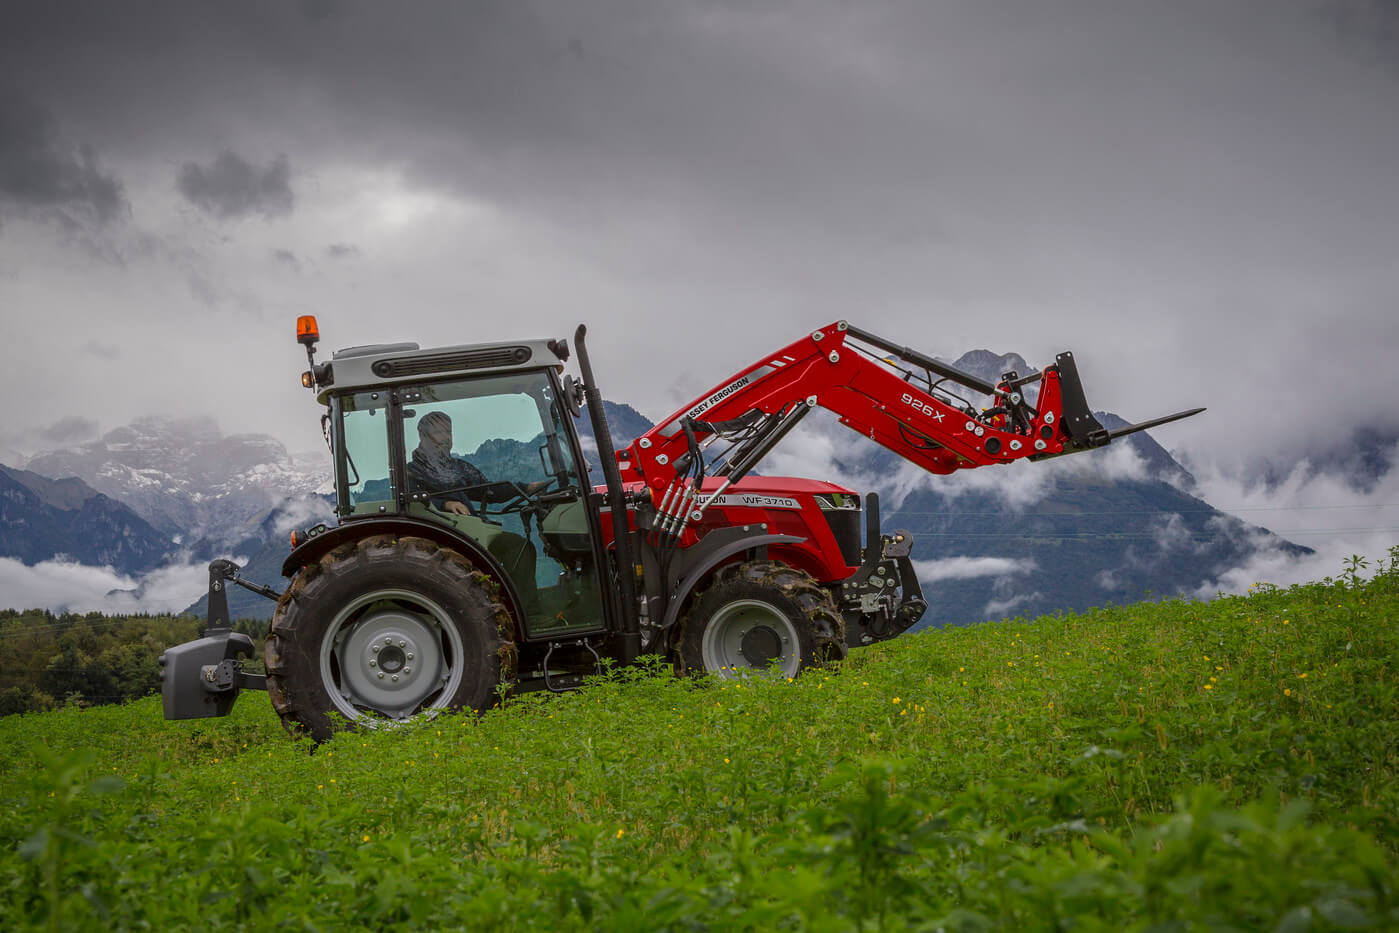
237	505
55	519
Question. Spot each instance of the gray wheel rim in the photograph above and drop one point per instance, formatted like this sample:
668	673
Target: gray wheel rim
722	646
391	652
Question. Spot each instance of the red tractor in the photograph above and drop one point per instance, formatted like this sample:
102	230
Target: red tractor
473	554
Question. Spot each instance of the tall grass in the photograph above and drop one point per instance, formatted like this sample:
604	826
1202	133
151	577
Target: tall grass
1174	765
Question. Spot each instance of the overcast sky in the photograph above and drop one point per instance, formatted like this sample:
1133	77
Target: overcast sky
1199	197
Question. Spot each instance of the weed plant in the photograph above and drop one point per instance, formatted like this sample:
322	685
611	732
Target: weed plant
1162	766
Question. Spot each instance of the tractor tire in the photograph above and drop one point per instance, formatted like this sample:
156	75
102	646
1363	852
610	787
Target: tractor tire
383	630
757	614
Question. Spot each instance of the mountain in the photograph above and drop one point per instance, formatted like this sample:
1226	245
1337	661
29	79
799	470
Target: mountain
1092	539
185	478
624	423
1101	527
42	519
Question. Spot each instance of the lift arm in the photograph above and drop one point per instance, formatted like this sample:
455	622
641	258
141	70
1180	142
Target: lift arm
901	399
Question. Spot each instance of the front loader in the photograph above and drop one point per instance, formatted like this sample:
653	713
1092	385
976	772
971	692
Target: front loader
432	592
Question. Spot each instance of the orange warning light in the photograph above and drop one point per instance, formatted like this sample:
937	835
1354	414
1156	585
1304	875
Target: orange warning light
306	330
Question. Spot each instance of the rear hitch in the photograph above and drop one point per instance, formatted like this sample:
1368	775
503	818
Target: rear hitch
202	678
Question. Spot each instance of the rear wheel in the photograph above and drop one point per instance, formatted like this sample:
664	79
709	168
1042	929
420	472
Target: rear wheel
383	630
760	616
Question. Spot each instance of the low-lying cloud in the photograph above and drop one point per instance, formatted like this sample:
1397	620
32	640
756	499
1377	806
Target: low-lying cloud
963	568
66	586
1326	511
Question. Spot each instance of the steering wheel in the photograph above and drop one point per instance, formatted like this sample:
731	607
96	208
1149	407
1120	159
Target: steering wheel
526	499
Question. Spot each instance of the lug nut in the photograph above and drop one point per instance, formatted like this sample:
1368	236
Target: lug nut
407	670
410	655
381	675
395	677
373	663
402	643
374	647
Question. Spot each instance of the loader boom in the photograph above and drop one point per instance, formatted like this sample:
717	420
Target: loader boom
898	397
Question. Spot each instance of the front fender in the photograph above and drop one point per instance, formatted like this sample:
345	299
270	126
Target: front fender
712	550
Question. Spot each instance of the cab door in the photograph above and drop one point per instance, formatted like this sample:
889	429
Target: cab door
505	473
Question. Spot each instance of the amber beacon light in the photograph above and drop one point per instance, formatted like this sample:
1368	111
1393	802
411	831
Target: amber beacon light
307	333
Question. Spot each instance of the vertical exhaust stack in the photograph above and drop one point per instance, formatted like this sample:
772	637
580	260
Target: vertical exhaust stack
621	531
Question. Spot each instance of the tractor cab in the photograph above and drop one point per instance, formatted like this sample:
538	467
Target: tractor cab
489	453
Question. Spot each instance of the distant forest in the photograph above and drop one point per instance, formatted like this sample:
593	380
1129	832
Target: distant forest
49	660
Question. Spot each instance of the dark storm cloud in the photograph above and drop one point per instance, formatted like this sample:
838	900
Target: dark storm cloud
102	350
1213	182
38	170
231	187
1370	27
286	257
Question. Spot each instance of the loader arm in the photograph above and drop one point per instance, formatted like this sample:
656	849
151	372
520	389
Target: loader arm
899	398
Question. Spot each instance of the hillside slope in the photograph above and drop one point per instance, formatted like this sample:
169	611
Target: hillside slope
1181	765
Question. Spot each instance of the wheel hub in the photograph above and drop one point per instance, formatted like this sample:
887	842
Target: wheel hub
760	646
749	635
386	653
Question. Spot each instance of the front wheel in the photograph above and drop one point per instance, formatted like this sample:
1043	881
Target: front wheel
760	616
383	630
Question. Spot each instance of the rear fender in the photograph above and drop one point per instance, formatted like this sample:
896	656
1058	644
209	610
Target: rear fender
352	531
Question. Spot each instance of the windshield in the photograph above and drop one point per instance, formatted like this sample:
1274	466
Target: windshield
504	426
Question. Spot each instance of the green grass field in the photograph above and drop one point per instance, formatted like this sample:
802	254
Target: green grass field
1178	765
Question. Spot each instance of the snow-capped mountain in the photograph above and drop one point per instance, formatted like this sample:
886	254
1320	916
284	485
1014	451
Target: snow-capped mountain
186	478
1078	531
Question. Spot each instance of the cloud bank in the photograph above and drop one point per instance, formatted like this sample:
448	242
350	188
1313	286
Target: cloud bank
64	586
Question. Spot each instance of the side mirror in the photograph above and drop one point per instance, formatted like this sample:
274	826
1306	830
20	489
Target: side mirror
573	396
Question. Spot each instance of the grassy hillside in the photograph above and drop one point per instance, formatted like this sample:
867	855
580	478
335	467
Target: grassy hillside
1175	765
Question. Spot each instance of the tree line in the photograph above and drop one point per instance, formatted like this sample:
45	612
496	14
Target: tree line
48	659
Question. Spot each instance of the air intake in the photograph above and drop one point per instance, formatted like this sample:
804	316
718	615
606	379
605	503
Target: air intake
492	358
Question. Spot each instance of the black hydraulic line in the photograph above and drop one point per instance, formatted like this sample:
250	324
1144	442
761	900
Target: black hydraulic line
745	446
750	458
927	362
621	531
